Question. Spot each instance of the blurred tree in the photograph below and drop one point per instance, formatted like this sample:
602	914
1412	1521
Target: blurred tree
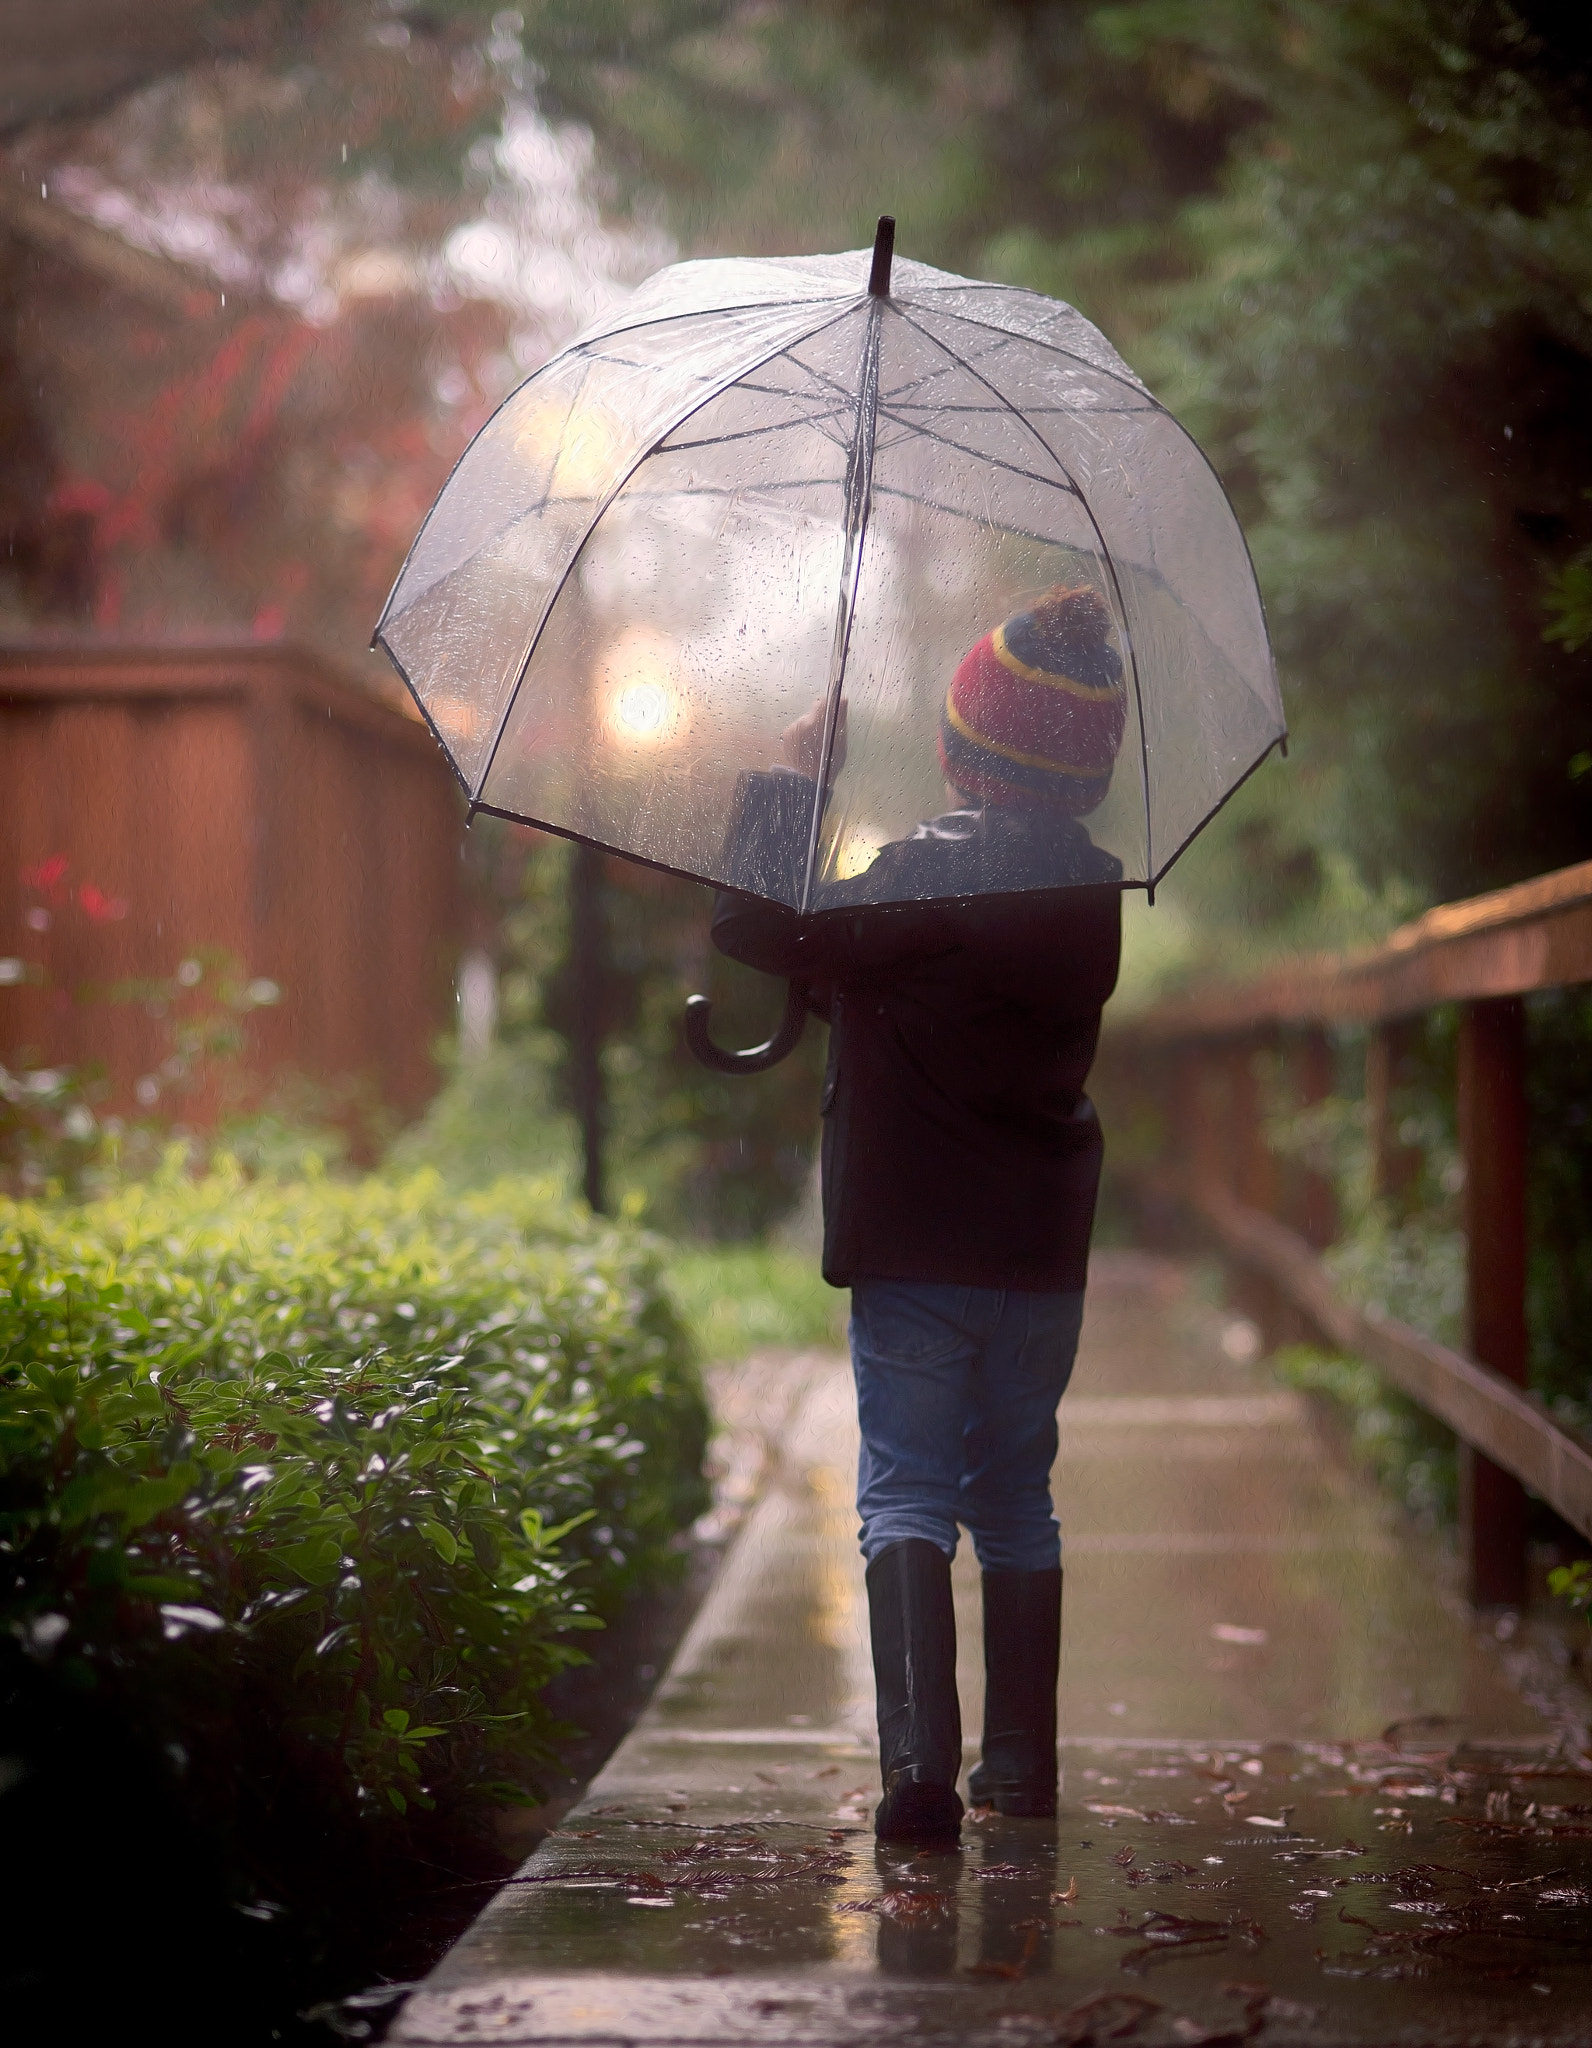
82	55
1388	352
253	312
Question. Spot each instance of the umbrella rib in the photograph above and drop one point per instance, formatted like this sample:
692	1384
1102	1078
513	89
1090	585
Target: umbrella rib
540	505
587	354
593	353
859	494
815	483
587	350
1033	412
743	434
1265	754
1046	540
741	489
671	447
420	702
841	398
1010	334
899	395
824	380
979	455
714	312
1111	571
813	299
608	498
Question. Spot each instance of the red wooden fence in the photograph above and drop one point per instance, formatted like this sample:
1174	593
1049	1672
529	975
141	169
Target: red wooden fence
1198	1056
244	799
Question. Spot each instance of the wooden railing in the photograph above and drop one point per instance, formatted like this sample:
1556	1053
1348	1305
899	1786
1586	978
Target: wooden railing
1199	1057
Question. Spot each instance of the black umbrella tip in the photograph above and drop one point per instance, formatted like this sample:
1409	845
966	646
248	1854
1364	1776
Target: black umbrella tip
883	252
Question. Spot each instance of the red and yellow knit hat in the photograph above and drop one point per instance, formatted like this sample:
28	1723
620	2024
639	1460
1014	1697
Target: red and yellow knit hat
1035	712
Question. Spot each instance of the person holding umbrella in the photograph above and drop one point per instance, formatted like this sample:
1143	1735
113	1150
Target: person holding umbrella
760	481
960	1163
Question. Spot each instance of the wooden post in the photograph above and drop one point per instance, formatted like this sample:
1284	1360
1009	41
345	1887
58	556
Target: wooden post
1254	1181
1228	1076
1394	1165
1194	1109
1318	1200
1197	1131
588	956
1254	1166
1493	1137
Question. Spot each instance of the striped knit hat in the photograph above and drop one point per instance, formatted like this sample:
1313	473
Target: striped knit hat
1034	714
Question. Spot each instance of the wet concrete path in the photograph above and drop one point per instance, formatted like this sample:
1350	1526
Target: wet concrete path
1302	1800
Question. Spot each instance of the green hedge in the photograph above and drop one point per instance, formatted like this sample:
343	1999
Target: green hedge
322	1482
741	1298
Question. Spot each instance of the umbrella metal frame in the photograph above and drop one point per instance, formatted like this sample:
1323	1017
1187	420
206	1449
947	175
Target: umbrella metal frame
865	407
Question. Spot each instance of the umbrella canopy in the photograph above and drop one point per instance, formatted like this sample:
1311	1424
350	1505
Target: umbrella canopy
945	514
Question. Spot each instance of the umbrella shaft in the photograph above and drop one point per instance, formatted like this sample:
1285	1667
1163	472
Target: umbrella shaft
859	496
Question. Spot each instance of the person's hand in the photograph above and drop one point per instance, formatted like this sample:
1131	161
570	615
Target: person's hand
801	744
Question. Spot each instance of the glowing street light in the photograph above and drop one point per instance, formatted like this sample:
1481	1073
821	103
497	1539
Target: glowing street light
643	704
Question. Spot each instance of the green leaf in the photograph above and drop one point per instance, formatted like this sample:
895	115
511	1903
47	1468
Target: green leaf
541	1538
152	1497
1572	1582
315	1560
441	1540
163	1586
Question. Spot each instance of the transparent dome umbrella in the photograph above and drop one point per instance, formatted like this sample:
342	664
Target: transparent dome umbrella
761	485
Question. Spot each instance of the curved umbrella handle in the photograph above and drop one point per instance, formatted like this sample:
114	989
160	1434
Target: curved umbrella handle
757	1059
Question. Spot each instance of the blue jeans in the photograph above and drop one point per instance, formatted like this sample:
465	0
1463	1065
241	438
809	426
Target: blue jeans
957	1389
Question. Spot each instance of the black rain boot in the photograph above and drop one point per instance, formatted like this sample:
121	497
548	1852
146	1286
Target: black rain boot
913	1629
1022	1655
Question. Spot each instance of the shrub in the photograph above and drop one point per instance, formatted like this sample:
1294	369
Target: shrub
57	1136
324	1480
1409	1451
740	1298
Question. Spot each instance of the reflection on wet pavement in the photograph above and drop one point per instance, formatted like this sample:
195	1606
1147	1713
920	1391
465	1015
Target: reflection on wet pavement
1300	1802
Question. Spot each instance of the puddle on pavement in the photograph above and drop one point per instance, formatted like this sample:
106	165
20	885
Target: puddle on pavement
1229	1585
1339	1890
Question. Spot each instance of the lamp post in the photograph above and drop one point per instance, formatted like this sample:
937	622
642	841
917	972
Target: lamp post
588	961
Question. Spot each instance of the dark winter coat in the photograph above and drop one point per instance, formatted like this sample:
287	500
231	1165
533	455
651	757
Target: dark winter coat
958	1143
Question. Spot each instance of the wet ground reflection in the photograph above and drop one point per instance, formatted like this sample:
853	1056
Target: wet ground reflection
1220	1872
1366	1891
